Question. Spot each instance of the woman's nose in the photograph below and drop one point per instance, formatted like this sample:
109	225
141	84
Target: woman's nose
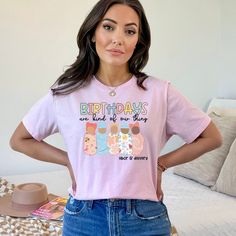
117	38
116	42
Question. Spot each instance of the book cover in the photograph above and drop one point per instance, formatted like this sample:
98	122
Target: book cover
53	210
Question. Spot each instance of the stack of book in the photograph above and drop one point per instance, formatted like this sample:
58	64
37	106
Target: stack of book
53	210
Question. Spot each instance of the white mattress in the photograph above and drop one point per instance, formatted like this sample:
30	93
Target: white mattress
196	210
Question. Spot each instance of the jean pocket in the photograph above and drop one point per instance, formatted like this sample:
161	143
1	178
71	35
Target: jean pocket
74	206
148	210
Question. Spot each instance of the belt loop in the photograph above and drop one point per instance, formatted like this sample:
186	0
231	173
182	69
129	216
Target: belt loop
128	206
90	204
71	199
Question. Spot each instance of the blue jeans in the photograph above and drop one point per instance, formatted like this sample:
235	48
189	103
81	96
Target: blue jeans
120	217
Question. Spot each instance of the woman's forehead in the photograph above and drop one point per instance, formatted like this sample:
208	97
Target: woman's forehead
121	13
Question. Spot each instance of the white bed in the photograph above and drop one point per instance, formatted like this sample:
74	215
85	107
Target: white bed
194	209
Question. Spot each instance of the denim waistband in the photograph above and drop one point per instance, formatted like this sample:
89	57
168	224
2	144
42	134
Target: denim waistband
114	202
128	204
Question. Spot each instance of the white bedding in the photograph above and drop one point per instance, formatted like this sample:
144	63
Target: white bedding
196	210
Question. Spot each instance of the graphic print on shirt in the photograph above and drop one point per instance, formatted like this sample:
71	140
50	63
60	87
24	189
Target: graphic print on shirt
137	139
113	139
90	139
113	128
125	142
102	147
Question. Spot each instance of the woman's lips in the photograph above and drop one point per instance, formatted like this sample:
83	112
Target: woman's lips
115	52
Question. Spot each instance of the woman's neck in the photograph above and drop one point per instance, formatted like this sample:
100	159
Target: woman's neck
113	77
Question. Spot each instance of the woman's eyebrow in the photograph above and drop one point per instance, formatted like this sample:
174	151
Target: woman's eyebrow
113	21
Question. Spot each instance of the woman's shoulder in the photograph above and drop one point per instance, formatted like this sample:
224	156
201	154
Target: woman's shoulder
154	82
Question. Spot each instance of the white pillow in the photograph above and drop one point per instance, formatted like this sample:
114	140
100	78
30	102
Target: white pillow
222	111
226	182
206	168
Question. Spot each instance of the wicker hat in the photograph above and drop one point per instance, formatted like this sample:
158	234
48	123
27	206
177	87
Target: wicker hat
24	199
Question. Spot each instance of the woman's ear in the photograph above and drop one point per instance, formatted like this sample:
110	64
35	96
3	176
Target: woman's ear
93	39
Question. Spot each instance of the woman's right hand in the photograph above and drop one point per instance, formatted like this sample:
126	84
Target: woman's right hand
74	186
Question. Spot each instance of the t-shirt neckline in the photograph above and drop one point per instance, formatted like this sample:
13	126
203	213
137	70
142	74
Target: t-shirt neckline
109	88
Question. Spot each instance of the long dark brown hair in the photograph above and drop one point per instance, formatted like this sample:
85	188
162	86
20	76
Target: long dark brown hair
80	72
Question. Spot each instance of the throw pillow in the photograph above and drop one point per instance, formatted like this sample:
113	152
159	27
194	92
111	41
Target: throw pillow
222	111
206	168
226	182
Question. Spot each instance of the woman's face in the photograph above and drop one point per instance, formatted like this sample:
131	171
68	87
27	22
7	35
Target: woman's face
117	35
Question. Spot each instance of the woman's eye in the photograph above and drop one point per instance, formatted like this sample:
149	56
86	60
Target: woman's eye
107	27
131	32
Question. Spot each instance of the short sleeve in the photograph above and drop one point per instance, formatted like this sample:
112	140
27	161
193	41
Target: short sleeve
41	121
183	118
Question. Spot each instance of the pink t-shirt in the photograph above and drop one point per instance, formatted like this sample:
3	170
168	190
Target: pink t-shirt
113	143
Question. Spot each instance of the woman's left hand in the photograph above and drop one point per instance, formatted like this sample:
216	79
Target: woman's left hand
159	191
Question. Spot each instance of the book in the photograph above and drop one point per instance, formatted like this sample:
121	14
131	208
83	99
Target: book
53	210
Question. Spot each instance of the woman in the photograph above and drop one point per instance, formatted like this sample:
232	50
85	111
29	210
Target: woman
114	120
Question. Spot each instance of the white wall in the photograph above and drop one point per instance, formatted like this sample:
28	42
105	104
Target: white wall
193	46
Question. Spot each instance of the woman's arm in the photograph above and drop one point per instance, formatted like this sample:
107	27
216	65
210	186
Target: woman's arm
209	139
23	142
